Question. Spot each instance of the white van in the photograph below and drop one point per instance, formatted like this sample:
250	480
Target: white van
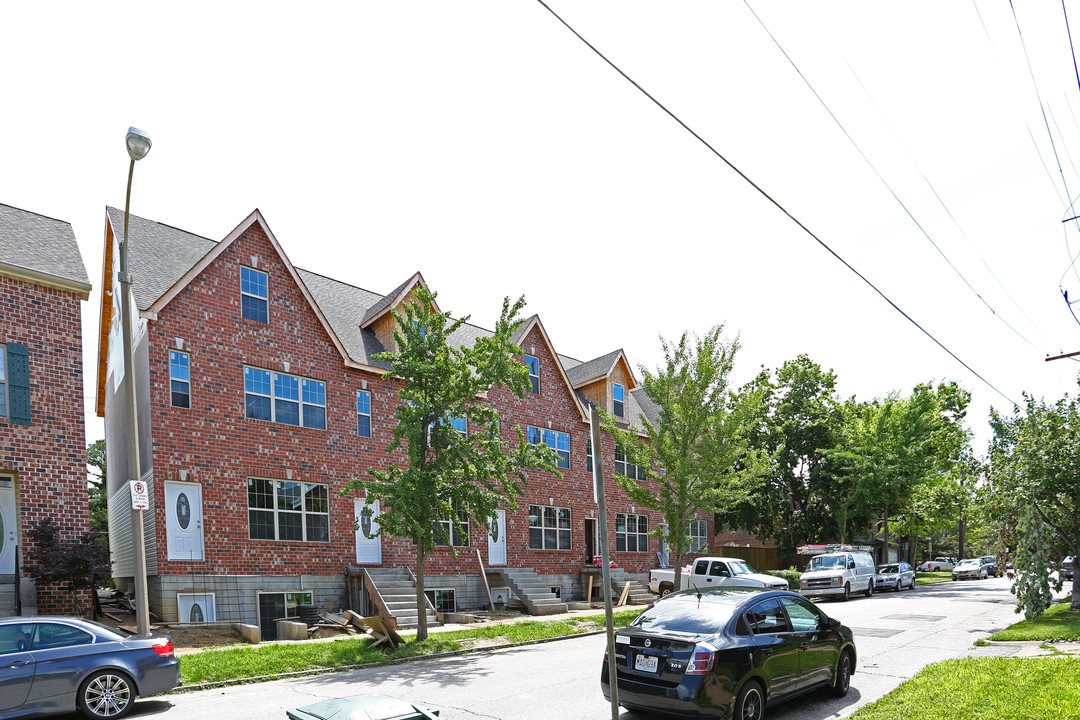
838	574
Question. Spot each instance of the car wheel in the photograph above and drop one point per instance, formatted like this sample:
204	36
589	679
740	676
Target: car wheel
750	704
899	584
843	675
665	590
106	694
847	592
869	589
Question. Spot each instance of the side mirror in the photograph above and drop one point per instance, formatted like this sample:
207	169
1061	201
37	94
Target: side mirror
851	565
725	573
834	624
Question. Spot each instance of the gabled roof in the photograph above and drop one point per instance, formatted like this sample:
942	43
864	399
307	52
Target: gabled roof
523	331
42	251
598	368
393	299
639	407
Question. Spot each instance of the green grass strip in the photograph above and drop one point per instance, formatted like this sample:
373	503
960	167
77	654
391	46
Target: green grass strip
247	662
984	689
924	578
1059	623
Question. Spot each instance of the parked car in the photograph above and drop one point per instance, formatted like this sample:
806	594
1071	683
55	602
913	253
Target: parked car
714	572
938	564
60	664
970	569
839	574
728	652
990	563
1067	568
895	576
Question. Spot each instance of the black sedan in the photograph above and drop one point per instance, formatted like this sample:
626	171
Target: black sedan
727	653
59	664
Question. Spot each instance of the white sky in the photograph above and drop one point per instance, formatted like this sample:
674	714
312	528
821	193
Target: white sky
484	145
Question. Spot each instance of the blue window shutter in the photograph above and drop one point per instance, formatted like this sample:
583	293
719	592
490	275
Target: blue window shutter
19	383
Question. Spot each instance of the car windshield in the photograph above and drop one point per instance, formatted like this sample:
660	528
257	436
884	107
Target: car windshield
738	567
826	562
686	614
888	569
968	563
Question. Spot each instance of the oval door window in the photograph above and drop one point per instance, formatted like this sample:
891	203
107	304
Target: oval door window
495	529
183	511
3	533
196	614
365	525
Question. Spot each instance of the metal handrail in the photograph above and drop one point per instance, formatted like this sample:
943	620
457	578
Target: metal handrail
18	575
426	598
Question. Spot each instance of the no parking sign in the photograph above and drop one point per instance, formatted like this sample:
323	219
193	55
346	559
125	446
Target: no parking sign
140	495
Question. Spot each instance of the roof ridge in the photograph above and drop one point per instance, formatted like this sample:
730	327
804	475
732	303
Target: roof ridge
158	222
31	212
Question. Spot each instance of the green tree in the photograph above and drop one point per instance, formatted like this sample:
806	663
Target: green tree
801	422
98	489
894	445
1035	469
698	443
78	565
449	477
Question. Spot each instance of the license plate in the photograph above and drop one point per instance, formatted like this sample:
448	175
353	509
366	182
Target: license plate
647	663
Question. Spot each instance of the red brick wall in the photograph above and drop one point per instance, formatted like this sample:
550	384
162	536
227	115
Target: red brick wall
222	448
47	457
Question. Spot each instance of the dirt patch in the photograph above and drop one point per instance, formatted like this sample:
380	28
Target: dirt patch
590	626
484	642
202	636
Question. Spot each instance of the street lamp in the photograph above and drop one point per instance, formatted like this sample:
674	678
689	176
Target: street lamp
138	145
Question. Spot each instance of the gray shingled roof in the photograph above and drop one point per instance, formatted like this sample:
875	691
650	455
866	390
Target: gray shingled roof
384	303
43	245
592	369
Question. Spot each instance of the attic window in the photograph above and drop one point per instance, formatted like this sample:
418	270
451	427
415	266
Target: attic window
534	373
619	394
253	294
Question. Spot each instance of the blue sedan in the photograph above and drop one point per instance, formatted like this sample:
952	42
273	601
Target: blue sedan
728	653
60	664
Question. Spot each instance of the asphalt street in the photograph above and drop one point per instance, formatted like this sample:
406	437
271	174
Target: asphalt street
896	634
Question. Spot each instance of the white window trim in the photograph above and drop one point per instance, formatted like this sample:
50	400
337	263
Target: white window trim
244	293
301	403
303	512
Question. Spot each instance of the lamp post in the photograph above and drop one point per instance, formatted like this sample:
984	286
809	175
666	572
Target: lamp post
137	146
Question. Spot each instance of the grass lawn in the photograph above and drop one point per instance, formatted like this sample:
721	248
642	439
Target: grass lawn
1058	623
248	662
922	578
984	688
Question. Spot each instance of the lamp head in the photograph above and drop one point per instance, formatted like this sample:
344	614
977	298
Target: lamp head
137	144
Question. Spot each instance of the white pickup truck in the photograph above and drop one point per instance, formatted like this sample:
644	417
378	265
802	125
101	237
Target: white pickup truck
715	572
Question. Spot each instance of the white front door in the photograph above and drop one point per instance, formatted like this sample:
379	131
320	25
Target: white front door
497	539
183	520
368	542
9	534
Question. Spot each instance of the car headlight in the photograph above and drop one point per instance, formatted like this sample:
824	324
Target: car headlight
837	581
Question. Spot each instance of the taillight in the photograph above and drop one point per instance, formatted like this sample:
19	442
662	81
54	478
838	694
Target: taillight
164	649
703	660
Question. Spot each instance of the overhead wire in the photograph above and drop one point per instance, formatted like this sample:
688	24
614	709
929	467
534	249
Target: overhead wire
772	200
885	182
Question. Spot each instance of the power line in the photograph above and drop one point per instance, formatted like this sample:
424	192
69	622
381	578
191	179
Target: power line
768	197
882	179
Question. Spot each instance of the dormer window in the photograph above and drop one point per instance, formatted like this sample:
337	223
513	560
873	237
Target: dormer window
253	295
534	372
618	393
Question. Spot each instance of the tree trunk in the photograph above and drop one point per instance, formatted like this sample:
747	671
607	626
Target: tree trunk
1075	585
962	530
885	537
421	599
677	575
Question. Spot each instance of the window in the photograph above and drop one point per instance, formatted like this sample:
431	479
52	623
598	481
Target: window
534	372
454	534
619	395
363	413
557	441
442	600
459	424
284	399
630	470
288	510
803	616
631	533
253	295
766	618
279	605
549	528
697	532
50	635
180	379
588	454
15	638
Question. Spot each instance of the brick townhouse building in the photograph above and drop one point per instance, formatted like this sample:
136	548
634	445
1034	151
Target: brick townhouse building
259	397
42	434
